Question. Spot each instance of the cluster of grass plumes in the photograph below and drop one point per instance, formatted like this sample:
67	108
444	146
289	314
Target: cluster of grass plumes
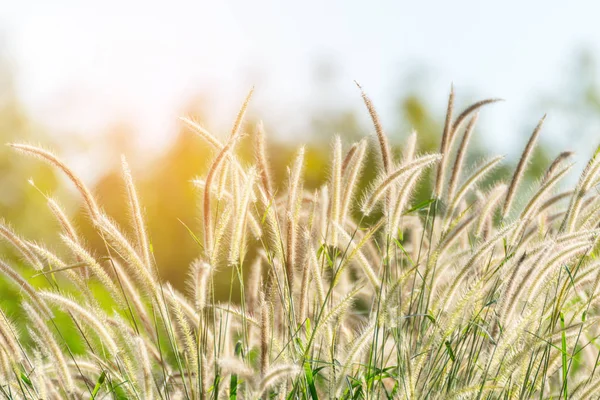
347	293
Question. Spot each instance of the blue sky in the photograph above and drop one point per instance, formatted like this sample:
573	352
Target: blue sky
84	65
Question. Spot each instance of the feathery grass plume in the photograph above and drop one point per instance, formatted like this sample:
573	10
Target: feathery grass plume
93	320
323	211
235	311
519	171
410	147
304	258
9	339
40	376
209	137
261	159
200	273
204	382
460	156
26	287
386	154
221	191
202	132
121	245
65	224
126	371
254	283
264	334
208	234
131	294
271	223
439	180
53	160
588	175
531	208
276	374
349	156
221	232
353	174
125	333
355	251
509	296
586	389
136	215
188	346
543	190
234	366
317	277
295	176
462	117
381	187
62	219
241	114
478	252
239	226
555	199
563	156
5	363
95	268
336	188
54	262
405	192
581	234
235	189
489	205
591	217
20	246
454	232
338	309
469	183
62	370
306	276
463	309
233	138
188	308
222	194
146	368
354	351
563	254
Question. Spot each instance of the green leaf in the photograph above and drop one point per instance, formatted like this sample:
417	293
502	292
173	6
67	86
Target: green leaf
233	382
428	316
404	251
72	266
264	217
192	234
310	381
99	384
26	379
570	275
564	354
450	352
420	206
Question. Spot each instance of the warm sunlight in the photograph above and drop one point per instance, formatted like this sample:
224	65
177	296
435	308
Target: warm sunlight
264	200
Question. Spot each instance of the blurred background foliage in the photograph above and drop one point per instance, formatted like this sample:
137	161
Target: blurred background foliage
164	182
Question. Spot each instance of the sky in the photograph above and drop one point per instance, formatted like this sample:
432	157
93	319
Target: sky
82	66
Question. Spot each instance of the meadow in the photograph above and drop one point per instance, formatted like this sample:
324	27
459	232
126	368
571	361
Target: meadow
484	290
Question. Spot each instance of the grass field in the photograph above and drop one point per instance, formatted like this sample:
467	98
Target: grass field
482	291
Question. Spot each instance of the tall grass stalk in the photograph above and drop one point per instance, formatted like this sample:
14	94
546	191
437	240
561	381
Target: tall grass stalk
477	292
